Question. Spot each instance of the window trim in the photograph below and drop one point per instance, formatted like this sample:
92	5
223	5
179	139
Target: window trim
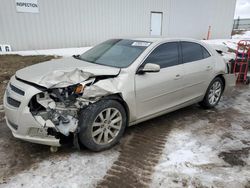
164	42
181	51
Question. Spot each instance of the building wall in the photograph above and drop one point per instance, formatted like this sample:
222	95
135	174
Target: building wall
192	18
75	23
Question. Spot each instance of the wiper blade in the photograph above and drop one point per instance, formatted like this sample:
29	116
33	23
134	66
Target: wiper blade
79	57
76	56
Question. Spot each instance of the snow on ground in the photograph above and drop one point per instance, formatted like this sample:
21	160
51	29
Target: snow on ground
245	35
78	169
230	43
224	45
192	160
193	154
1	108
66	52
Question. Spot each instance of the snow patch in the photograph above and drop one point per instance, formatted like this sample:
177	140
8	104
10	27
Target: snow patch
229	43
245	35
1	108
191	156
75	170
241	104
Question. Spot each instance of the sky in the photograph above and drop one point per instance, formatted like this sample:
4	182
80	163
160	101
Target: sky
242	9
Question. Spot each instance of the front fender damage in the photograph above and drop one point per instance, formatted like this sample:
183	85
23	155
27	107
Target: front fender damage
57	109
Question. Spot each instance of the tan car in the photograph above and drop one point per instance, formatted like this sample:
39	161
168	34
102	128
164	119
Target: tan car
93	97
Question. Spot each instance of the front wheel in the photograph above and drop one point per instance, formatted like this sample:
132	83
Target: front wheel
102	125
213	94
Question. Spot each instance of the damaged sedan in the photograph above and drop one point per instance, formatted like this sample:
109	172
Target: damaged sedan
91	98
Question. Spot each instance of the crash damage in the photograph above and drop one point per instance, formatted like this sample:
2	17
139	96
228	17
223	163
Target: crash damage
57	107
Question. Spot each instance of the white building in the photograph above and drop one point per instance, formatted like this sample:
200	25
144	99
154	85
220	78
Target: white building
43	24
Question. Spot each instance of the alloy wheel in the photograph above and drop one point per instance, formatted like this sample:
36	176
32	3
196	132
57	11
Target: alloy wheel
215	93
106	126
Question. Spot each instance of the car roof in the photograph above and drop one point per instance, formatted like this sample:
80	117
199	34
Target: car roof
157	40
160	39
152	39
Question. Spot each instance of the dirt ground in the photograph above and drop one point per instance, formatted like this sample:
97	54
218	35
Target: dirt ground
191	147
9	64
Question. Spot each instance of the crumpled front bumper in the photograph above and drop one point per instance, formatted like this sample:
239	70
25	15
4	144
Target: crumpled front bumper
18	117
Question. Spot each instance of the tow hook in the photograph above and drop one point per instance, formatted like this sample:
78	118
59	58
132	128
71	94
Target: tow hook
53	149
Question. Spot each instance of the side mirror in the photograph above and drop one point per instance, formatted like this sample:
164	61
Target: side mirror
149	67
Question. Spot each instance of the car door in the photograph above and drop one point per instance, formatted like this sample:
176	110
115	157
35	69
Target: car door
156	92
198	67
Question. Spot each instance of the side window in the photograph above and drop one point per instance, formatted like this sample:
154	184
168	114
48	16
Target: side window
191	52
165	55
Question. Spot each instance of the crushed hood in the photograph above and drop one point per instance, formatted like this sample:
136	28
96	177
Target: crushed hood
63	72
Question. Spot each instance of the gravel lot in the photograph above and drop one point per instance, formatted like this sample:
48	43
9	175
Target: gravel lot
191	147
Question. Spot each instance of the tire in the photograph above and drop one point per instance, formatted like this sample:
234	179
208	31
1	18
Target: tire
208	102
97	132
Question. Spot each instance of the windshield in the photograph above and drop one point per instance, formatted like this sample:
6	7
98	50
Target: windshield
116	52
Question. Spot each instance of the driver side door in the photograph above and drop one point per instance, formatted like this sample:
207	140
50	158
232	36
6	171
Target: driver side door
157	92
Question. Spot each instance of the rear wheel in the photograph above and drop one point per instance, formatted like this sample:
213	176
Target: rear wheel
213	94
102	125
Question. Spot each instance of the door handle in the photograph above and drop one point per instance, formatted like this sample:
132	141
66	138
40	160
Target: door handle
209	68
177	76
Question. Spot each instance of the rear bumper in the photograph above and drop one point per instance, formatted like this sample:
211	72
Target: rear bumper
19	119
230	82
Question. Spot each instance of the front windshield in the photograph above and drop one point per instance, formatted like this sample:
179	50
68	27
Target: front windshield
115	52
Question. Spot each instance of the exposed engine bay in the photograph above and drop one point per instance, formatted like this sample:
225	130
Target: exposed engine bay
57	109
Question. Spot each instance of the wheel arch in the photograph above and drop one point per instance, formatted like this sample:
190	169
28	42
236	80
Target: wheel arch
118	97
223	80
204	103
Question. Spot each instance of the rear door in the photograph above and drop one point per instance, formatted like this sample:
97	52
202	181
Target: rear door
198	66
156	92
